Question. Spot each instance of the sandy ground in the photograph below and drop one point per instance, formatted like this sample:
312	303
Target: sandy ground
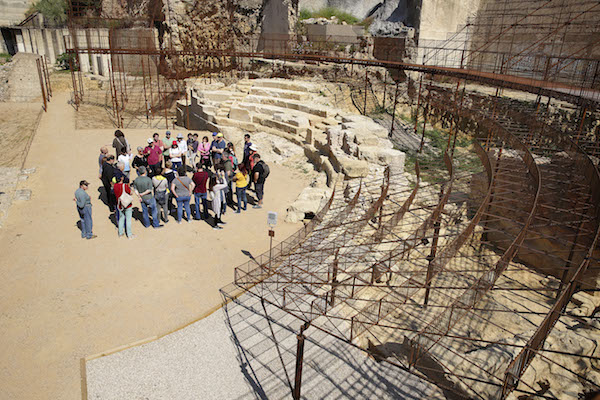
63	298
17	125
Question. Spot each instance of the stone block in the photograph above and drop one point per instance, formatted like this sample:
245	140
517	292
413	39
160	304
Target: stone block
240	114
353	168
382	156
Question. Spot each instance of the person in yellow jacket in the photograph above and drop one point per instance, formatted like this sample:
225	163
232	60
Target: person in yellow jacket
241	180
161	194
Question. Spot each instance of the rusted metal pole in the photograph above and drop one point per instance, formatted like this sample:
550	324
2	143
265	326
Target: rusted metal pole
146	104
394	109
189	105
37	62
418	103
299	362
74	81
47	75
334	281
366	88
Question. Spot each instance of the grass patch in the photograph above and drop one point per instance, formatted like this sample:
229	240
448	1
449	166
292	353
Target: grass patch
4	58
328	12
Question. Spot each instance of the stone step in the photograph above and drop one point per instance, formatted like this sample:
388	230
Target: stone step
280	93
319	111
267	121
285	85
272	110
224	121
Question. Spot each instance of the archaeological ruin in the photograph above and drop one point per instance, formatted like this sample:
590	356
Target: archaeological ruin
451	231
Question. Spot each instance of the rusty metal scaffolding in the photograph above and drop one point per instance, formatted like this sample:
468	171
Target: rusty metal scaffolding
414	276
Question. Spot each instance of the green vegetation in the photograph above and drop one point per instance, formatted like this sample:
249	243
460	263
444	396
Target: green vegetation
54	11
4	58
63	61
328	12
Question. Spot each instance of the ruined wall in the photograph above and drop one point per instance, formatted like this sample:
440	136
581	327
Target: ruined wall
441	18
12	12
360	9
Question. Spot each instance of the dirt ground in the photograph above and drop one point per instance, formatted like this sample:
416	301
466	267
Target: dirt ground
63	298
17	124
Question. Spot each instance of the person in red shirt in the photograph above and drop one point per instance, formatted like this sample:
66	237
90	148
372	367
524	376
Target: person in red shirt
200	179
155	155
125	210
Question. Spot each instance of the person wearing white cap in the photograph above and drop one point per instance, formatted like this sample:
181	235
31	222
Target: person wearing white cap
183	147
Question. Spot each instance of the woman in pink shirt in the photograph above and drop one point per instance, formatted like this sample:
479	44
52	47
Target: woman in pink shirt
204	149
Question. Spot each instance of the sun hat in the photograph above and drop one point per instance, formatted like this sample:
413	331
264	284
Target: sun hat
253	148
168	133
150	140
214	133
219	135
175	142
180	136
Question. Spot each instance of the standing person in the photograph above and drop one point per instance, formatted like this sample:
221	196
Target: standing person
101	158
204	149
182	188
259	175
217	148
125	158
139	160
216	187
193	145
246	157
154	154
108	173
175	155
241	181
200	179
227	166
143	188
170	175
120	143
250	166
125	208
161	194
182	147
167	145
84	209
158	142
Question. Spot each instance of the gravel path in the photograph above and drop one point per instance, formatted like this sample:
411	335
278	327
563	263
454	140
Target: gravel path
232	355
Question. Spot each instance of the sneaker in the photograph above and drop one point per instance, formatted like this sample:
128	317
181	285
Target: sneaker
216	228
131	237
92	237
221	223
256	206
238	211
160	226
178	222
189	221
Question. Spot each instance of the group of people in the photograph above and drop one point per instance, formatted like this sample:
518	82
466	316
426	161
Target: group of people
162	179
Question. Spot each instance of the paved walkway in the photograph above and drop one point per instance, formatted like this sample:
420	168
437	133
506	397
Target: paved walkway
239	353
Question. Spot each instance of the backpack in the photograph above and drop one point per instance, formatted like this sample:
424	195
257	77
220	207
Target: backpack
125	199
234	161
266	170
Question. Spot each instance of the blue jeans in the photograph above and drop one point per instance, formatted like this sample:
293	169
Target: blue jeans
183	201
197	198
85	216
241	198
125	221
152	205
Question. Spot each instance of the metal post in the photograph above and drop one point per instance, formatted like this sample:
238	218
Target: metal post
366	87
37	61
271	235
299	361
394	109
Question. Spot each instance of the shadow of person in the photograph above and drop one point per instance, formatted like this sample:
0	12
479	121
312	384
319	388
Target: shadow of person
102	195
137	214
113	218
78	224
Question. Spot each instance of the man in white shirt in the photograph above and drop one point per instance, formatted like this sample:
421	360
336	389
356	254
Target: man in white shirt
183	147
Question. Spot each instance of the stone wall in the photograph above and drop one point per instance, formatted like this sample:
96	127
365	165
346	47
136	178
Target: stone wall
13	11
